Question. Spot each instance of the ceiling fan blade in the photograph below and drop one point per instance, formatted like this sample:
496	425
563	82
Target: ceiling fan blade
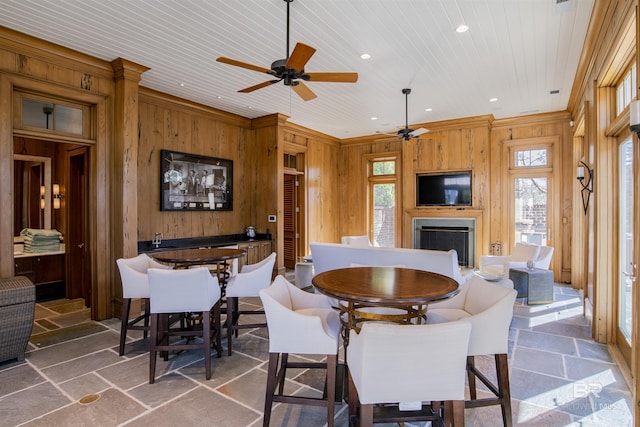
303	91
299	57
258	86
418	132
432	136
244	65
332	77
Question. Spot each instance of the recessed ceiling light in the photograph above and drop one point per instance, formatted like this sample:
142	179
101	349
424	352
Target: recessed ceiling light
428	109
181	84
219	97
493	99
365	56
374	118
462	28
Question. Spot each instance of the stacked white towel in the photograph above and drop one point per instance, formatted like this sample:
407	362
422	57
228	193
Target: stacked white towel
37	240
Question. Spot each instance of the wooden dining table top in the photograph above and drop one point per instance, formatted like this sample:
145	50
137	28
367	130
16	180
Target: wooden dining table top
197	256
385	286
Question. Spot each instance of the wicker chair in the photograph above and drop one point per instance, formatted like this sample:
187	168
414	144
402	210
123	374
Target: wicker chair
17	308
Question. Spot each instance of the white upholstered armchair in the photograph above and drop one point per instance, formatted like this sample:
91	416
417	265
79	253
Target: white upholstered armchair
499	265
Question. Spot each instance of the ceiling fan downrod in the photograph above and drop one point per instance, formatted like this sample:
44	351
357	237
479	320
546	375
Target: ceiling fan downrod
288	3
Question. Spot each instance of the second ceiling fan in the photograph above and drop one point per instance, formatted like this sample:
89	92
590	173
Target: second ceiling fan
408	134
291	70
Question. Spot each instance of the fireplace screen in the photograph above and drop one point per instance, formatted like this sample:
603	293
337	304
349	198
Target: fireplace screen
444	234
446	238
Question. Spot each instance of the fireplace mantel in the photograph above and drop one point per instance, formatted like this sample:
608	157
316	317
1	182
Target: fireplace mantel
446	212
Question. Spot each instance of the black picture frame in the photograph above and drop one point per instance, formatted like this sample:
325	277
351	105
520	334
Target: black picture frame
211	188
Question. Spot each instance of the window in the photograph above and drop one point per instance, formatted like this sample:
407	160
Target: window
385	167
49	115
626	89
383	206
530	158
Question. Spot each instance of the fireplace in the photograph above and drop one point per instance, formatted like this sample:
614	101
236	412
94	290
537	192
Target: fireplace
447	233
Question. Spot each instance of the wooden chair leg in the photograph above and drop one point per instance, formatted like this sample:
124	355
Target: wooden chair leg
366	415
271	387
353	399
206	336
217	328
502	372
124	322
282	373
332	363
236	315
229	324
458	413
147	308
471	376
152	348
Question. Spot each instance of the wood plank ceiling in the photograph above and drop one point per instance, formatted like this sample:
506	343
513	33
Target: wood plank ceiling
518	51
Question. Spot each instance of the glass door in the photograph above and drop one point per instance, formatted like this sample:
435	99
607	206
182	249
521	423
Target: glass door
626	266
531	207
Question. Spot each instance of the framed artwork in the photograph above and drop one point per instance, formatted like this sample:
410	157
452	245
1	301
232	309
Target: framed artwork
189	182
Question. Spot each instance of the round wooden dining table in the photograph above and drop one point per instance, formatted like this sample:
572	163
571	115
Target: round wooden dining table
184	258
393	294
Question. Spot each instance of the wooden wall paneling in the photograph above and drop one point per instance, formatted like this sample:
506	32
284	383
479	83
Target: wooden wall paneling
149	193
174	124
324	192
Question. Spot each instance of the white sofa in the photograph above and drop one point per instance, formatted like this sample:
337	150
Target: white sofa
331	256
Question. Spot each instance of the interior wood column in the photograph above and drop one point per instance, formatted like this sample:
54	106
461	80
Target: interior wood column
124	162
7	268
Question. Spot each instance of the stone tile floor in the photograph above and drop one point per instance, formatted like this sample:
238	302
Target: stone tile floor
73	376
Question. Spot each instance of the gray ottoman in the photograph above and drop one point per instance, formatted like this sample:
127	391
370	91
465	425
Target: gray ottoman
17	308
536	284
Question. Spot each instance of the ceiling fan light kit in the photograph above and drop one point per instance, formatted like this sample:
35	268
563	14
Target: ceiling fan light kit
290	70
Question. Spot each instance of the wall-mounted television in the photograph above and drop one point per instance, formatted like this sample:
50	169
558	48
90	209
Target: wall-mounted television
443	189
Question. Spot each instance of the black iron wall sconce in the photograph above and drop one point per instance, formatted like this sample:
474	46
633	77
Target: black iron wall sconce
587	186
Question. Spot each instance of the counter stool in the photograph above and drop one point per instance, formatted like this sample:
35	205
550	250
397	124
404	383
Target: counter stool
183	291
135	284
251	279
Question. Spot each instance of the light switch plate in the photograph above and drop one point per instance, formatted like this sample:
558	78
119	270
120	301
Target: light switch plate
271	218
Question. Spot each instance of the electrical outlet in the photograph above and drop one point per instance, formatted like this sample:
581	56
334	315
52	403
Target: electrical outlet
271	218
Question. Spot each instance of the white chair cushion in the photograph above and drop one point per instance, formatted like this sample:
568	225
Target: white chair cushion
177	291
251	278
360	241
489	309
330	322
298	321
525	252
443	315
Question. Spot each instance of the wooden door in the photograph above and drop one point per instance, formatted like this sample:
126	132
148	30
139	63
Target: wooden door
77	239
290	221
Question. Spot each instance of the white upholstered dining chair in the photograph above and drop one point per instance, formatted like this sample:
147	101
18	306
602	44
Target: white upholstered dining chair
184	291
489	309
247	283
302	323
135	284
393	365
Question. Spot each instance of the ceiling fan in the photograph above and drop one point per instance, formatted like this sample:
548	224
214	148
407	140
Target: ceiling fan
408	134
291	70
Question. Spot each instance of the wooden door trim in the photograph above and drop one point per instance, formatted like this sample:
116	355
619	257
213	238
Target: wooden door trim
101	264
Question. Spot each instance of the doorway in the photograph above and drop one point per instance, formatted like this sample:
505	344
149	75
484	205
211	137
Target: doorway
77	219
290	223
626	271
